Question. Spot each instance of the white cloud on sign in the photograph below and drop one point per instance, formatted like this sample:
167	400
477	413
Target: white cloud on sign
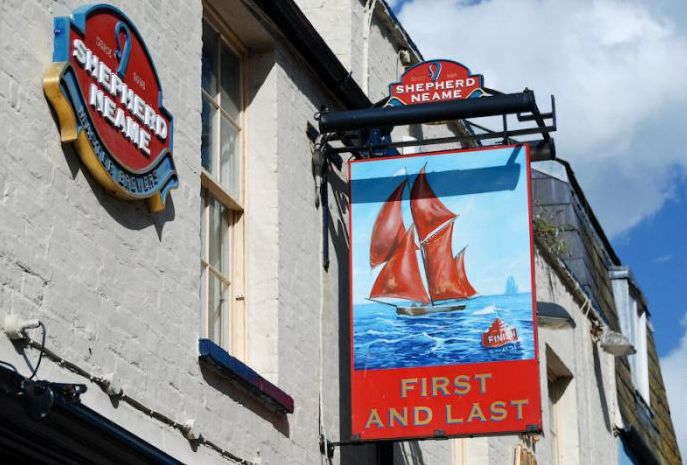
616	68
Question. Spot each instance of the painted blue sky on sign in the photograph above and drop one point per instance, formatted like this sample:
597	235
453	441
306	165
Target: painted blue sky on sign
493	225
613	66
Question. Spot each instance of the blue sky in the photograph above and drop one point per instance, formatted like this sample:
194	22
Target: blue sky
617	69
656	251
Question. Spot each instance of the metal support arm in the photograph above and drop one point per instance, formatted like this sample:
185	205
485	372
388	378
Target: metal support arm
427	112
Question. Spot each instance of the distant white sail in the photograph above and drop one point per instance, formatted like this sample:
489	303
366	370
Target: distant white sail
511	286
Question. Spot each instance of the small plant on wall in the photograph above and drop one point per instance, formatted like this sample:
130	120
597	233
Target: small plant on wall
548	233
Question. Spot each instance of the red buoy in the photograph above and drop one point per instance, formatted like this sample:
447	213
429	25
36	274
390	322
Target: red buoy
499	334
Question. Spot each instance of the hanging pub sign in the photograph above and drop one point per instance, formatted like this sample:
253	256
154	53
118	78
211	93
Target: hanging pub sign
107	97
435	81
442	313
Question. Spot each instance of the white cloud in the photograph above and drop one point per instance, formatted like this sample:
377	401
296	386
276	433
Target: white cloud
674	368
616	68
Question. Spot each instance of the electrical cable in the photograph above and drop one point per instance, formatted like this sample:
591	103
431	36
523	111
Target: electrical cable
42	351
72	367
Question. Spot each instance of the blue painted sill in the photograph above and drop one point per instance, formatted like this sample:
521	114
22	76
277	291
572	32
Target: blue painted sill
231	367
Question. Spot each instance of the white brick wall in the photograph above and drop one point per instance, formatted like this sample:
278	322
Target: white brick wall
336	22
118	287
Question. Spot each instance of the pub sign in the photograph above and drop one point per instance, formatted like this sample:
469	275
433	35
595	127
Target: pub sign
442	305
436	81
107	97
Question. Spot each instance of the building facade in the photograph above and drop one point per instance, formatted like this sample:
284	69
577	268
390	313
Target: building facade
216	331
641	418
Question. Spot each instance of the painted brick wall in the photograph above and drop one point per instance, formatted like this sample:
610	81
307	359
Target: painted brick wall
118	287
384	66
333	20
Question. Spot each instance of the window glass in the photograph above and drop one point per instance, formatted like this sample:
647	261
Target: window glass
203	226
221	179
218	228
230	89
208	135
230	167
210	65
215	308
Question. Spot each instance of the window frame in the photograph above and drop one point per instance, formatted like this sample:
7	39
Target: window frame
232	314
640	359
635	325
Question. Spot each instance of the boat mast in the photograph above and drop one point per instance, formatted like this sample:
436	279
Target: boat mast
422	251
424	266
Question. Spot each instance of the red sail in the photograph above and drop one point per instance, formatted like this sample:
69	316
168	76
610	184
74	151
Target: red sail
460	267
400	276
442	275
388	230
428	211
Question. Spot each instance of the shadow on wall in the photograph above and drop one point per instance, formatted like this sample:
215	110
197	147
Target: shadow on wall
409	453
243	397
339	241
338	234
598	375
130	214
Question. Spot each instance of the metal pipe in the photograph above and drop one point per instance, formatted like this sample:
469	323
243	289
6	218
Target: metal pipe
336	121
546	145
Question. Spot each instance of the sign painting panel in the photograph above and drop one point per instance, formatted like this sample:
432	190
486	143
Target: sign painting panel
443	317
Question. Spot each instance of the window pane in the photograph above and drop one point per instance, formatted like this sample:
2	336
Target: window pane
208	136
230	88
230	160
215	306
210	41
227	257
203	226
217	239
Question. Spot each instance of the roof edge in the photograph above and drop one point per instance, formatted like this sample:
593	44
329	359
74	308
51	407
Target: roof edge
298	30
590	212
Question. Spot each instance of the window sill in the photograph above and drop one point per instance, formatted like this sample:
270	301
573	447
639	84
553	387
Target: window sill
231	367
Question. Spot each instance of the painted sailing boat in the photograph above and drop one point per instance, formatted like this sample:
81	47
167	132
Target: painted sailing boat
394	247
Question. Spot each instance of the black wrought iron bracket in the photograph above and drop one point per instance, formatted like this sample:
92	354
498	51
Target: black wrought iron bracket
351	131
351	127
328	447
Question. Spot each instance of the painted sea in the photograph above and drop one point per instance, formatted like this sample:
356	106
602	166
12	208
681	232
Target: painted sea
383	339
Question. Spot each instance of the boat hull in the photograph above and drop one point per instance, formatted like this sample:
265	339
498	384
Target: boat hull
424	310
